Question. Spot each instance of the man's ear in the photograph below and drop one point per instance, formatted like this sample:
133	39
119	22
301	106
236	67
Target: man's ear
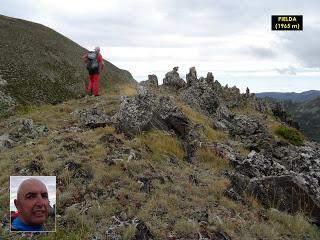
17	204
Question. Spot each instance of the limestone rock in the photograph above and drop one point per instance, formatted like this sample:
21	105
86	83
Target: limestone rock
210	79
202	97
191	76
28	131
5	141
144	112
173	80
286	193
92	118
151	82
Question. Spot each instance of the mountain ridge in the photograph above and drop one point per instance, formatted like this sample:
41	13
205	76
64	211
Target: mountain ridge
183	160
293	96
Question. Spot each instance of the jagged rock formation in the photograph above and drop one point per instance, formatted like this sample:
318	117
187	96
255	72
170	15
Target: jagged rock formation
26	132
146	111
169	183
173	80
270	164
286	193
152	81
279	111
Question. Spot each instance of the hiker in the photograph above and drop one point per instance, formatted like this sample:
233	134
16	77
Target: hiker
32	203
95	64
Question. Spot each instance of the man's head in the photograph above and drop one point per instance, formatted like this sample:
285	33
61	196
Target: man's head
32	202
97	49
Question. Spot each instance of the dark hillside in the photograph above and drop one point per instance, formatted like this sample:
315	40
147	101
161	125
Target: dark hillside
40	65
307	114
295	97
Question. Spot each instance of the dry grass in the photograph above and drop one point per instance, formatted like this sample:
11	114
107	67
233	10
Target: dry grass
186	228
121	90
162	144
193	115
242	150
253	201
208	134
209	159
294	226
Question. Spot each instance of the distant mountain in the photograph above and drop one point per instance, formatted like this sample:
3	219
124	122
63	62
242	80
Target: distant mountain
307	114
39	65
295	97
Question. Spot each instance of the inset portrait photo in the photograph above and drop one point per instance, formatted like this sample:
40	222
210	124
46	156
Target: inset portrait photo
33	203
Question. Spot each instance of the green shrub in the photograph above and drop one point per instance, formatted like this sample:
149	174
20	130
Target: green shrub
290	134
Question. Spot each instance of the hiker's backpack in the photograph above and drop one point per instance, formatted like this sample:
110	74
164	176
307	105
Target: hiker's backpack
92	64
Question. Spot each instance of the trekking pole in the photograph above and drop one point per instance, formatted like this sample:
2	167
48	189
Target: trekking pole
84	86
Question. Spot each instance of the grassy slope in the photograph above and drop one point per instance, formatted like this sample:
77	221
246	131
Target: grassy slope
41	65
174	204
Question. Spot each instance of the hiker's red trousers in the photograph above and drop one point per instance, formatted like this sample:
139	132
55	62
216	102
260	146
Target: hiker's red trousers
94	84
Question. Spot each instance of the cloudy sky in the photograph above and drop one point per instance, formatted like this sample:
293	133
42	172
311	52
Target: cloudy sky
232	39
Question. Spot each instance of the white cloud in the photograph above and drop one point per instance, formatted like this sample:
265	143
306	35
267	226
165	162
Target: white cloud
228	38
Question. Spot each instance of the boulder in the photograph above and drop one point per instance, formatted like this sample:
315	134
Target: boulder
256	165
151	82
6	99
173	80
210	79
202	97
92	118
28	131
142	231
146	111
286	193
5	141
191	76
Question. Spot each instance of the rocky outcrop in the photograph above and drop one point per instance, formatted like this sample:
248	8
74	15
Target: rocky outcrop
92	118
191	76
26	132
5	141
210	80
280	162
202	97
146	111
286	193
151	82
278	110
173	80
6	101
244	129
288	179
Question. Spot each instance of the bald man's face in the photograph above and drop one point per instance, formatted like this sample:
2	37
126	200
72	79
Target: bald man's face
32	202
